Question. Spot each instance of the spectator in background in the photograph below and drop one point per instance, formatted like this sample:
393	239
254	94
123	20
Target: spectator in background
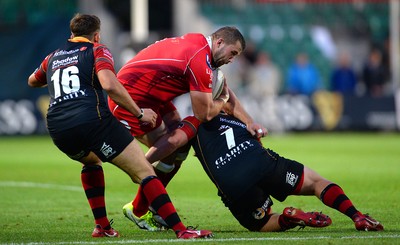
374	74
303	77
264	77
343	78
264	85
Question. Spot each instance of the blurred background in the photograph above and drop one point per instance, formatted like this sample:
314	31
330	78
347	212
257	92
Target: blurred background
310	65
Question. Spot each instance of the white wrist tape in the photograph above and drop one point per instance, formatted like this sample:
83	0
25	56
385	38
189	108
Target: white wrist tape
163	167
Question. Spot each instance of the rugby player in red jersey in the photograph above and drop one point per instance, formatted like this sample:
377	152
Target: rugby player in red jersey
165	70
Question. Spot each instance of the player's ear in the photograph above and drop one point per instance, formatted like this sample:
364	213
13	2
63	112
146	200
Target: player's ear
219	42
96	37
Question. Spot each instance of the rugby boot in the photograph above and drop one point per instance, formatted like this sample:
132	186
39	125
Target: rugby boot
145	222
100	232
192	233
300	218
364	222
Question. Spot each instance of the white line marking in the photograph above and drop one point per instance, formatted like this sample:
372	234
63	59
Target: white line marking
212	240
40	185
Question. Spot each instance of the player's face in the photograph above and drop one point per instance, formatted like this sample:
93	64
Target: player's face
225	53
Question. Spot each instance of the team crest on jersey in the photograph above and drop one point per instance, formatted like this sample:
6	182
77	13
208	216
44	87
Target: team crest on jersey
208	61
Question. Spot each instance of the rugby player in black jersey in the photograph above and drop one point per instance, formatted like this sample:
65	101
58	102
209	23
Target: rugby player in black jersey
82	126
247	175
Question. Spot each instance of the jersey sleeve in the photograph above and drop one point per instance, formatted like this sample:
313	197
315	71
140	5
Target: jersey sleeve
103	58
40	72
200	71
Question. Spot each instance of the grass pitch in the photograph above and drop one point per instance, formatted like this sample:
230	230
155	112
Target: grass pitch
42	202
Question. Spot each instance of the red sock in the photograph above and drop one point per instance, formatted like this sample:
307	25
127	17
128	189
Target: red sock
334	197
140	204
92	178
160	202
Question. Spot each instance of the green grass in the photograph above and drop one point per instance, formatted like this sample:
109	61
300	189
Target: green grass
42	202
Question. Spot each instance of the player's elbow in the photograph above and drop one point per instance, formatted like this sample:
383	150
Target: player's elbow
33	82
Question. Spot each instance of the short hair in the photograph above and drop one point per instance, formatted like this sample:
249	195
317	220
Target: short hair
84	25
230	35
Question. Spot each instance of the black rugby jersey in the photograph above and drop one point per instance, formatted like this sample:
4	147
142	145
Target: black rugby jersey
232	158
76	95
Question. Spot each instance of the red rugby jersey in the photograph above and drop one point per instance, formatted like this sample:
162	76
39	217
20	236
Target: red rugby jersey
169	68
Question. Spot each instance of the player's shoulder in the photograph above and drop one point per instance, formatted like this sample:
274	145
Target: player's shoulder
194	40
102	50
197	36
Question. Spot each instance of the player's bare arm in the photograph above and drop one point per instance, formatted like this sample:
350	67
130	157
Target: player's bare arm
35	83
204	107
235	108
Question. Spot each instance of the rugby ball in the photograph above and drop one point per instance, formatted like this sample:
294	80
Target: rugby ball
218	81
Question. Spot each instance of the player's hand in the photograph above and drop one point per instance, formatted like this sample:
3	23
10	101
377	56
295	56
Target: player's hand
257	130
149	116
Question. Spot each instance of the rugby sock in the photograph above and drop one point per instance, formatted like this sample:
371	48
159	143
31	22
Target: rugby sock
92	178
160	202
140	204
334	197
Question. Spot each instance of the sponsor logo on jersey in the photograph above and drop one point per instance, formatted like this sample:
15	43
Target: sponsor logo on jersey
107	150
208	61
224	120
64	62
69	96
64	52
209	72
259	213
291	178
233	153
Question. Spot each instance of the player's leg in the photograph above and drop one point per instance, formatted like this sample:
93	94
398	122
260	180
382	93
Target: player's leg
134	163
138	209
333	196
172	148
76	143
285	179
253	211
165	162
93	183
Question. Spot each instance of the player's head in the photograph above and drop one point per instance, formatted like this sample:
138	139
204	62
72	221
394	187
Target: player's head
228	42
84	25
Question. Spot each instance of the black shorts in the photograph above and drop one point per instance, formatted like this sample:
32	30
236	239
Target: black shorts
251	210
107	138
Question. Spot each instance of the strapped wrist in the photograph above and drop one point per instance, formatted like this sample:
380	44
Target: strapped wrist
224	98
141	114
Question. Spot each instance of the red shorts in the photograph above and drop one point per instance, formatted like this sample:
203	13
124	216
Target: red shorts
135	126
